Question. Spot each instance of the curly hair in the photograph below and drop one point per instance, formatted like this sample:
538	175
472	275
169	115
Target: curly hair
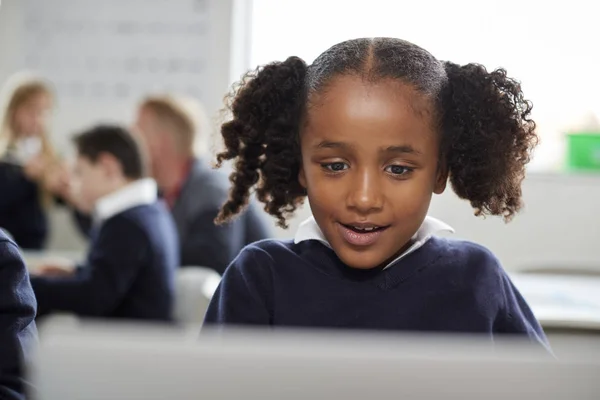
484	121
488	138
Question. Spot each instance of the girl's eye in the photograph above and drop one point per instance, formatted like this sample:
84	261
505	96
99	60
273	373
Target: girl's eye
397	169
335	167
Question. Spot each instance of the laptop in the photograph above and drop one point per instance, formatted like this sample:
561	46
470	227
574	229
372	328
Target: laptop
83	361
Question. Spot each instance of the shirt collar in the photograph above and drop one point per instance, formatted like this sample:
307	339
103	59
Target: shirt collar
137	193
309	230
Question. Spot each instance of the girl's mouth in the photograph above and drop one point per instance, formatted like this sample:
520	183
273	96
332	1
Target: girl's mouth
361	234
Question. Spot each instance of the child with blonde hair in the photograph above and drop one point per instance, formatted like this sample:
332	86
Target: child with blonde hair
28	161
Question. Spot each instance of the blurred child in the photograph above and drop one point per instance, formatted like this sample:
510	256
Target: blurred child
130	267
17	326
27	159
369	132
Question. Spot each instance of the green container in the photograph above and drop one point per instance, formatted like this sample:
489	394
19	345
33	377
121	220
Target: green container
583	151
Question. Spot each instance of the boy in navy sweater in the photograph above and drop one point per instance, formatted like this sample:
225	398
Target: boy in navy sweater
369	132
130	267
17	313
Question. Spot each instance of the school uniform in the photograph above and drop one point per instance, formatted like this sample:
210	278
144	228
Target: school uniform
21	211
194	207
197	204
17	327
129	270
437	284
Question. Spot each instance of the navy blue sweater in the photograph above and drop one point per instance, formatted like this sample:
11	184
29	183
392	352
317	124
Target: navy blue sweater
446	285
202	242
21	210
17	313
129	272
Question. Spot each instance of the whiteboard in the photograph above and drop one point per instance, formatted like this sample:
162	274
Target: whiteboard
117	50
104	56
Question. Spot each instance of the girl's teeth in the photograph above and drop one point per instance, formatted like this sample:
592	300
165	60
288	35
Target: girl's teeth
364	229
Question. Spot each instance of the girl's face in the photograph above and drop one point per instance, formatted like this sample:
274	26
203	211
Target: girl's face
31	117
370	165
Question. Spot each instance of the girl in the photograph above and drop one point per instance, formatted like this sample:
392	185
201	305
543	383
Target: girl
368	133
27	160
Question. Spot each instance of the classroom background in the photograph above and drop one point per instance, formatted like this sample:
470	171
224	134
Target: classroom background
102	57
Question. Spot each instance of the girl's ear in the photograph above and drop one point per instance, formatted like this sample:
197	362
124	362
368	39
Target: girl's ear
302	177
441	179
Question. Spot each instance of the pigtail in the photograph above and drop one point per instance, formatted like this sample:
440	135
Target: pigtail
488	137
262	139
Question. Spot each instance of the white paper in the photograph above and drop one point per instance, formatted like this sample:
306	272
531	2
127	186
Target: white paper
562	299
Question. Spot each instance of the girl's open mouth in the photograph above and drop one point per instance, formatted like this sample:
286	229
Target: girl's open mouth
361	234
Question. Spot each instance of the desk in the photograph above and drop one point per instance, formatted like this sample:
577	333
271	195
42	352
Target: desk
562	301
558	301
33	259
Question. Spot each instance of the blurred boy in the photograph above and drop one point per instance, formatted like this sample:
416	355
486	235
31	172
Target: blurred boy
17	313
134	251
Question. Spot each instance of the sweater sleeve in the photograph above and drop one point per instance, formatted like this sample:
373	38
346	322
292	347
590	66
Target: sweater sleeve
516	317
14	185
505	310
83	222
17	326
245	294
98	287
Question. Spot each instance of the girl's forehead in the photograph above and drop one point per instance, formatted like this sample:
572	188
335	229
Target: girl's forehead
352	108
383	91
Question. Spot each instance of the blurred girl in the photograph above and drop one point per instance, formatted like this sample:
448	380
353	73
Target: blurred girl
27	161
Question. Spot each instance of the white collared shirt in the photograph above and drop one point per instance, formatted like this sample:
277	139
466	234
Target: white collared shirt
137	193
309	230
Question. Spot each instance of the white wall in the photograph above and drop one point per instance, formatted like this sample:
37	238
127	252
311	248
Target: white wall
557	228
10	32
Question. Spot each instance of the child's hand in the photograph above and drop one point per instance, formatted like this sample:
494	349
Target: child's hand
56	268
58	181
52	270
